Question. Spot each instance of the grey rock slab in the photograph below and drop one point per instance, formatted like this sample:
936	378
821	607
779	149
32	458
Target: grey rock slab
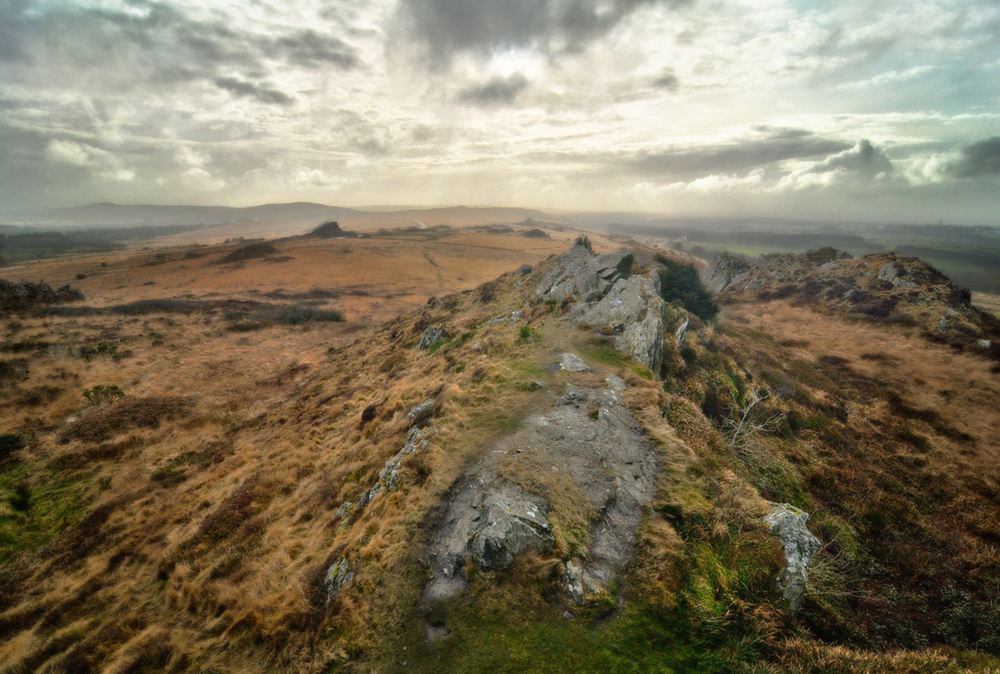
488	520
633	310
422	412
788	523
573	363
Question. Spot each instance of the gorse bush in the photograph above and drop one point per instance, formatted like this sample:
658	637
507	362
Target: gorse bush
680	283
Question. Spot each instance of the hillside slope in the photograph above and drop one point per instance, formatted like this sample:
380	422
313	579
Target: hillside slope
555	471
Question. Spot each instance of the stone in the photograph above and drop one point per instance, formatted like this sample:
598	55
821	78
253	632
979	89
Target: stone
573	580
432	334
633	309
788	523
513	522
573	363
726	269
337	576
422	412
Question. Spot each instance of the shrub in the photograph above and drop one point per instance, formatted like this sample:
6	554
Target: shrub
680	283
253	251
21	499
100	394
10	442
124	414
13	371
80	277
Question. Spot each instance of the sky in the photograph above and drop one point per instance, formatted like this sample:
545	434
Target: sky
873	111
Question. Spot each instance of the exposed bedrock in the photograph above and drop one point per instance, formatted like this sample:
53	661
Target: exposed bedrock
586	443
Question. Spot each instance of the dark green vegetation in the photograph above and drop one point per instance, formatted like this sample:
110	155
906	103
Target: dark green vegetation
250	252
679	283
331	230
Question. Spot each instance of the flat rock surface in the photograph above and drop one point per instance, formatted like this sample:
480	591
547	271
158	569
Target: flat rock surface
585	441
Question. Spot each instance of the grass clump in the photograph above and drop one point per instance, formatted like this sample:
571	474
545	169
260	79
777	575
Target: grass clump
124	414
101	394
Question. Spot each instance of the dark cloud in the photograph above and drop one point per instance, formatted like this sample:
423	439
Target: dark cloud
311	49
740	155
668	81
498	91
241	89
864	159
11	17
159	45
980	159
448	26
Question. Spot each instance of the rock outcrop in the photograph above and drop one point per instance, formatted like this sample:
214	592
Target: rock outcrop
586	439
724	270
610	297
788	523
880	286
24	294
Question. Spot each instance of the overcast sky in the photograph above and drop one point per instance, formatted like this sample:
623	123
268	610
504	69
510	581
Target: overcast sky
877	110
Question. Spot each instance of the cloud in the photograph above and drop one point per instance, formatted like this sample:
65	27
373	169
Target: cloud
70	152
449	26
241	89
668	81
977	160
496	92
310	49
775	145
893	77
861	164
81	156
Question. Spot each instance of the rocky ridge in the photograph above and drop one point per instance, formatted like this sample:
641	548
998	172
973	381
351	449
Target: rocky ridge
881	286
25	294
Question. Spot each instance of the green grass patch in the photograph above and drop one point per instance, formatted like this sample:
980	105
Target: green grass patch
37	512
603	351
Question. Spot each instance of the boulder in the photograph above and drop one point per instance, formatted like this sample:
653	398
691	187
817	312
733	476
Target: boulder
572	363
512	523
431	336
788	523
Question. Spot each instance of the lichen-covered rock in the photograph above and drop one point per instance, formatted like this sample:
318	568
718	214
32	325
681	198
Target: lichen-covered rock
337	576
585	276
431	336
489	520
788	523
633	309
422	412
512	523
572	363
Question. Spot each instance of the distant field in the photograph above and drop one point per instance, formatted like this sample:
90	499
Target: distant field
988	301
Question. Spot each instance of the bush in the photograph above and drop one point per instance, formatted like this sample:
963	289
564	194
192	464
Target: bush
21	499
680	283
101	394
10	442
13	371
254	250
80	277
